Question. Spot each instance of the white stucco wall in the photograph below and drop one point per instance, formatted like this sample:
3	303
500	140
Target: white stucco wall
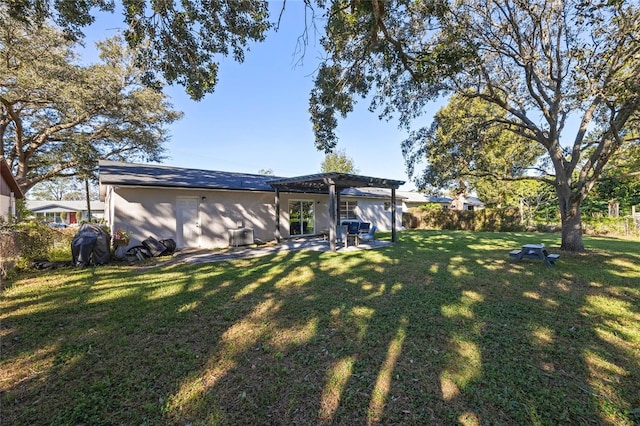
7	200
152	212
373	211
5	207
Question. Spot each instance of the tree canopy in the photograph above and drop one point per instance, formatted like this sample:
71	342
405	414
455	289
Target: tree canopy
174	42
468	143
542	63
58	117
338	162
67	189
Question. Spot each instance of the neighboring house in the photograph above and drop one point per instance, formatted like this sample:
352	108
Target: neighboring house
67	212
9	192
412	199
473	203
203	208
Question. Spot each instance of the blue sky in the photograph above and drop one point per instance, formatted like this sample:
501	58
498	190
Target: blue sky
257	117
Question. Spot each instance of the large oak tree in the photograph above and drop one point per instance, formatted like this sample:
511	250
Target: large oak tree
59	117
544	63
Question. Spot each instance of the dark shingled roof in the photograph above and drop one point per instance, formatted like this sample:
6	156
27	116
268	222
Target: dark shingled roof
152	175
116	173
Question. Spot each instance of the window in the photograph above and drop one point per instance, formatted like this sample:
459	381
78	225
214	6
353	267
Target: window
348	210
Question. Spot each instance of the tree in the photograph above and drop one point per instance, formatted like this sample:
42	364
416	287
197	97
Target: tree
468	144
58	118
60	189
266	172
338	162
542	63
176	43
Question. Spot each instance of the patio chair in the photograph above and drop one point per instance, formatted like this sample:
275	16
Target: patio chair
352	232
341	235
369	236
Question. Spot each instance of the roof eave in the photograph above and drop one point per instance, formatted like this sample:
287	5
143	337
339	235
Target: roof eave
5	171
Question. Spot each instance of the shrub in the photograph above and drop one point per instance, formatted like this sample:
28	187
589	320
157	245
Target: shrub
8	250
35	240
506	219
610	226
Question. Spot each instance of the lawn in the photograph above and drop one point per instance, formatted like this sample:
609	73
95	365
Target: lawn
440	328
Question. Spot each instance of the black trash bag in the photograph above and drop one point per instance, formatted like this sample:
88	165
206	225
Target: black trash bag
137	253
170	245
90	246
155	247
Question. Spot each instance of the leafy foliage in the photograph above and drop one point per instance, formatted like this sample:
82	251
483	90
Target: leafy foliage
495	220
540	63
35	240
468	142
174	42
62	189
58	118
338	162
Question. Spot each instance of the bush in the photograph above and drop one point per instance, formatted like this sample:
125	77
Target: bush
8	250
610	226
35	240
506	219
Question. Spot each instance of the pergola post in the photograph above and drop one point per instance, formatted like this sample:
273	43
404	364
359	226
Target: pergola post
337	207
393	215
332	217
278	234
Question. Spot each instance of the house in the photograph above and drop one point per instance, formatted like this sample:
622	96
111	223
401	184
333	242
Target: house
9	192
412	199
473	203
206	208
65	212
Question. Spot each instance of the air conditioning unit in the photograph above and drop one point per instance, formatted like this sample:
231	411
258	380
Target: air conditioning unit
241	237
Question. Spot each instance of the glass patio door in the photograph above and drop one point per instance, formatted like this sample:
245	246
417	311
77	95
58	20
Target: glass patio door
301	218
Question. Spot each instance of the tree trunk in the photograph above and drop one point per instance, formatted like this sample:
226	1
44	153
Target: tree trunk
571	224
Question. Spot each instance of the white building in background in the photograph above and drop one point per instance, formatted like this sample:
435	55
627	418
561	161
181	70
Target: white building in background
65	212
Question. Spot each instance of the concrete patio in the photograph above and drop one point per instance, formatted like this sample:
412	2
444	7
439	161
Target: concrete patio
191	256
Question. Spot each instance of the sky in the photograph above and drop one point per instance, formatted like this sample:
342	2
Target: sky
258	118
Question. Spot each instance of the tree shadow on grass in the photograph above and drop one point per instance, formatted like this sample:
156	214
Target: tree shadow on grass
440	328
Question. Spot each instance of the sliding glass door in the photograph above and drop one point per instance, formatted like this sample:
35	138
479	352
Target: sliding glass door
301	218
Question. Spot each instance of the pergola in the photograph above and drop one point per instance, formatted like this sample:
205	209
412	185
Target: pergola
333	184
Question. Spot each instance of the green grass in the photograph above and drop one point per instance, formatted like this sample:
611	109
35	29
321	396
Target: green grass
438	329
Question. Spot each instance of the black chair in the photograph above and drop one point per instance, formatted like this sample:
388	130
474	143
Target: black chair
353	228
364	227
352	232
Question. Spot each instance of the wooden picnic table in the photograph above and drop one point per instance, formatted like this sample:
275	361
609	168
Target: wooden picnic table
536	252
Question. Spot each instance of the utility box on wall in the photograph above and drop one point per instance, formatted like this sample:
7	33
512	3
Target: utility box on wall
241	237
